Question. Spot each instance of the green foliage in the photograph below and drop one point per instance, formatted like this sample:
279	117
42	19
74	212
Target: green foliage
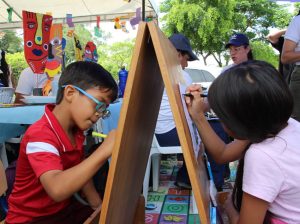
255	17
84	36
263	51
113	57
206	23
18	63
10	42
210	23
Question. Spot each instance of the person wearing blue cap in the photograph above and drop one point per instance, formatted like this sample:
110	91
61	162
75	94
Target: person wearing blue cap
165	130
239	49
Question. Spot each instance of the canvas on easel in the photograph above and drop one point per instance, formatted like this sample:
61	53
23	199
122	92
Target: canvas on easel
154	66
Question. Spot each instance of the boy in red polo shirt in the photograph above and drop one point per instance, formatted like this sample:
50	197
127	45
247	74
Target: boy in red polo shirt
50	167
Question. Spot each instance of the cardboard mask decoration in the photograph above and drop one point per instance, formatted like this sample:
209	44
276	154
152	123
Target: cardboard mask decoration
90	52
54	61
36	39
55	56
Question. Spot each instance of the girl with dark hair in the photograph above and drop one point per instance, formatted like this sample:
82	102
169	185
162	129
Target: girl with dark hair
254	105
5	73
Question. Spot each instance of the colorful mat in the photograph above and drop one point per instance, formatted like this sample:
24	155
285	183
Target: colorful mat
170	204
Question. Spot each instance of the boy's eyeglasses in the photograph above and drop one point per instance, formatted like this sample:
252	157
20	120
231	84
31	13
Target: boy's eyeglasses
101	107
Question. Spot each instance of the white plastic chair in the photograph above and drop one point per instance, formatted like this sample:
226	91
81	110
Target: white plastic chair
154	157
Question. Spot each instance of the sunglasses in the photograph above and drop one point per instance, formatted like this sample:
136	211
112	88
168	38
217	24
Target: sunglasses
101	107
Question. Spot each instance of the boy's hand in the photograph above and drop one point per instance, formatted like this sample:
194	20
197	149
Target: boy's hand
196	104
108	144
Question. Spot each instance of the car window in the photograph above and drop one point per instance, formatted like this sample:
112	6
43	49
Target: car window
199	75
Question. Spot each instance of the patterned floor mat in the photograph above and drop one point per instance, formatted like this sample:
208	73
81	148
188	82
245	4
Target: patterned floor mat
171	204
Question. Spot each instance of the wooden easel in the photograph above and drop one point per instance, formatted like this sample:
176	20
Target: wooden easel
154	65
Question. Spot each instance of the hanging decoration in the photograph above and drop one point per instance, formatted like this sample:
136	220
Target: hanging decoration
77	48
36	39
123	26
90	52
69	19
149	18
117	23
97	30
135	20
9	11
54	61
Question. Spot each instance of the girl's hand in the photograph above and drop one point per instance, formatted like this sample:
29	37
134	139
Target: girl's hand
230	210
195	104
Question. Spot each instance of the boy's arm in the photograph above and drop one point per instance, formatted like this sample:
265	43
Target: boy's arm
91	194
62	184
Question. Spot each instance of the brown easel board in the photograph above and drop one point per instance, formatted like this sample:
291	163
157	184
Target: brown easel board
153	66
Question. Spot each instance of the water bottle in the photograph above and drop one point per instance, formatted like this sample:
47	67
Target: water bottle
123	73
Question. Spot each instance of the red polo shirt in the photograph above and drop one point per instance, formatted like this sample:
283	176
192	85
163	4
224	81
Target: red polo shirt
45	147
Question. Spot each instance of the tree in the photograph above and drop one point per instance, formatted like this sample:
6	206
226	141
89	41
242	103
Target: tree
256	17
113	57
210	23
262	51
10	42
205	23
17	63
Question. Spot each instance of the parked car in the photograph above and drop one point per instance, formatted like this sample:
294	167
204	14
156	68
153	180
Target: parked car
201	76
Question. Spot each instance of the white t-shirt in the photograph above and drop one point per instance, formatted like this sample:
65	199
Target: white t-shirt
293	33
29	80
165	120
272	173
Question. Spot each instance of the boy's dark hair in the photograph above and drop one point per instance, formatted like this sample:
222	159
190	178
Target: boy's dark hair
86	75
252	100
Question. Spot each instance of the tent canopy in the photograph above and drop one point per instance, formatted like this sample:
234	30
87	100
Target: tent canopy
83	11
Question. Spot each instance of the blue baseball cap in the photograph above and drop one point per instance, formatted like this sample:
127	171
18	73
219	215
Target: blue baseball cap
182	43
237	39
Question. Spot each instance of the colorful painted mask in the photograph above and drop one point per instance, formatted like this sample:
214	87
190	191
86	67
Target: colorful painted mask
90	52
54	61
36	39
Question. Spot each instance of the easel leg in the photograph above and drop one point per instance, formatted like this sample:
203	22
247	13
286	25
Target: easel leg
139	217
